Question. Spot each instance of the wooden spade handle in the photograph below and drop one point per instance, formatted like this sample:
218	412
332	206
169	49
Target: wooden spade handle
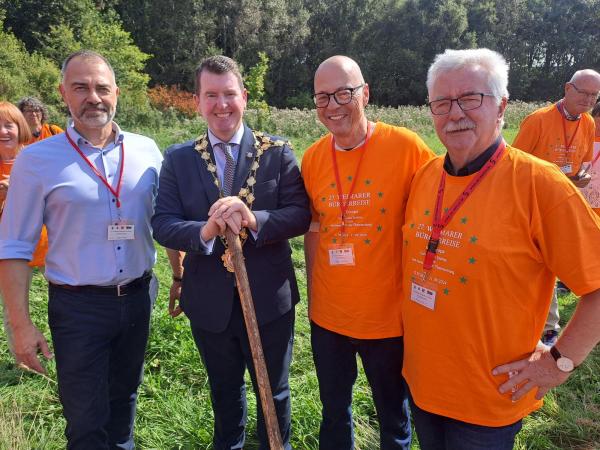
258	357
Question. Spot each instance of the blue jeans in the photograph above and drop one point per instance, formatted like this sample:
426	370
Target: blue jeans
437	432
226	356
335	361
99	343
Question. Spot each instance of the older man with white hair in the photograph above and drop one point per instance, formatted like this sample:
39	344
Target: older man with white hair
563	134
478	220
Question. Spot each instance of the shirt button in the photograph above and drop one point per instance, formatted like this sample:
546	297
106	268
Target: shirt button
113	200
120	270
119	248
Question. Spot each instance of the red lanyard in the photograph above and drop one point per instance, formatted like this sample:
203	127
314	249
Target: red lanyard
560	108
336	171
98	174
439	222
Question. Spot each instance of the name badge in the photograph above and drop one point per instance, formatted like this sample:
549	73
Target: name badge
121	232
341	255
567	169
423	295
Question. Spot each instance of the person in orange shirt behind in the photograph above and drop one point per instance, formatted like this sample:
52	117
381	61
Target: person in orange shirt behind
591	192
479	220
14	134
36	115
357	178
562	133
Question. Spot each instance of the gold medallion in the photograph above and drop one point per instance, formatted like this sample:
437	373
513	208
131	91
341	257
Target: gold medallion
227	258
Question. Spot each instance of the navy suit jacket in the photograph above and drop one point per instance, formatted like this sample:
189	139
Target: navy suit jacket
187	191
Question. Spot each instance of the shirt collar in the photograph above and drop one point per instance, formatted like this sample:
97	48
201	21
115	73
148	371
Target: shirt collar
475	165
564	112
83	141
236	139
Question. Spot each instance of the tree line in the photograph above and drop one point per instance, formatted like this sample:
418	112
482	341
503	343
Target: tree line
161	41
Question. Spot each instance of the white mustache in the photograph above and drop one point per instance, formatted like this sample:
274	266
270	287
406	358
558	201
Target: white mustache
94	108
462	124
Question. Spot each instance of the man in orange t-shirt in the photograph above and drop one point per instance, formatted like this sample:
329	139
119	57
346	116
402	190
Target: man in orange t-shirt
563	134
480	219
357	178
36	115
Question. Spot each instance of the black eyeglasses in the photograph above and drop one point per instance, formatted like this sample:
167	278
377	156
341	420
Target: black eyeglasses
465	102
593	95
342	96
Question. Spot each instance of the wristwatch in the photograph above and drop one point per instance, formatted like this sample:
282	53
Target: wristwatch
563	363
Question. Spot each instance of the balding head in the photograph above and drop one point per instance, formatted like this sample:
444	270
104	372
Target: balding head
339	81
585	75
339	64
581	92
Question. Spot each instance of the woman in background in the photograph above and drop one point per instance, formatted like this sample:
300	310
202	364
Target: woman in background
14	135
36	115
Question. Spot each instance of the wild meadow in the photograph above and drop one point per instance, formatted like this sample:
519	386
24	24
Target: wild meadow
174	409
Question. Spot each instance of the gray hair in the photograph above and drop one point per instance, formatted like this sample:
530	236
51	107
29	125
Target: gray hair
34	104
493	63
85	54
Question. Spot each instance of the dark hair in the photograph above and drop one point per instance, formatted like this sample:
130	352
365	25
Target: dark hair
35	104
86	54
218	64
596	110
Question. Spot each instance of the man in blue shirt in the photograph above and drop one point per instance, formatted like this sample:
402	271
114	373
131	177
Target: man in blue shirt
94	188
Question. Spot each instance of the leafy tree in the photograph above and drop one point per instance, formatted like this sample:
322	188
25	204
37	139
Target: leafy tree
26	74
105	35
255	83
177	33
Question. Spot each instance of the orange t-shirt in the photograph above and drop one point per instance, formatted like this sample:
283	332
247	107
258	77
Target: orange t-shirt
361	300
542	134
46	132
39	254
493	276
592	191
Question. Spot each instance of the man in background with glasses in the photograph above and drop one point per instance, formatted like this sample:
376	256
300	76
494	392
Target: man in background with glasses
563	134
479	220
357	177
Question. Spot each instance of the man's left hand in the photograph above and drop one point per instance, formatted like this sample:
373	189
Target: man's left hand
581	179
226	207
539	371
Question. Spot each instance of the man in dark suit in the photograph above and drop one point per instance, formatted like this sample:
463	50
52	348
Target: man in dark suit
250	182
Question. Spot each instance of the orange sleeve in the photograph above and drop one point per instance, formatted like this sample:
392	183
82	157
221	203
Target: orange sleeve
528	136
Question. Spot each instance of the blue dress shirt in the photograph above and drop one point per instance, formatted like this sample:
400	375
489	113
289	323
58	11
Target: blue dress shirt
51	184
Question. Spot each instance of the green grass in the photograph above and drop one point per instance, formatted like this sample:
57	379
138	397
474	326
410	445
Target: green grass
174	409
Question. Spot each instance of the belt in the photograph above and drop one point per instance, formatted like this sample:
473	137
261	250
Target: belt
118	290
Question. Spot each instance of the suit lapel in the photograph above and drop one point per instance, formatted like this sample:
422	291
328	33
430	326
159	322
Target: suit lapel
210	189
244	162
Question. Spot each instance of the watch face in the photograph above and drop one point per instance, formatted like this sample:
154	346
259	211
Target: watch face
565	364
